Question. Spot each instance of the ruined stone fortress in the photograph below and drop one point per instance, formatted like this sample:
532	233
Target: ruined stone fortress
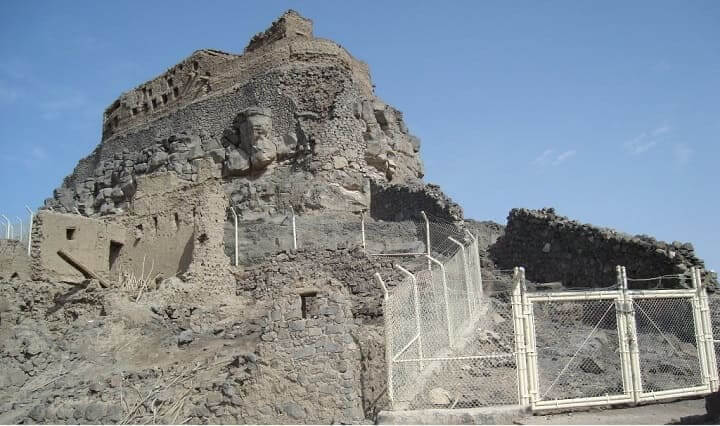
288	333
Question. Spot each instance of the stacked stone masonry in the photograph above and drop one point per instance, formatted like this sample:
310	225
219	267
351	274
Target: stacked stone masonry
554	248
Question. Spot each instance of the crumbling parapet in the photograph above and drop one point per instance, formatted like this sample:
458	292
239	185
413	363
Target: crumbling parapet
555	248
289	25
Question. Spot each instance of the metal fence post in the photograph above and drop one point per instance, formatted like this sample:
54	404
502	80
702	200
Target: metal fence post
708	332
530	343
292	211
479	284
700	328
623	337
470	300
232	209
451	340
631	329
362	227
20	235
427	237
30	225
9	226
520	347
388	340
416	298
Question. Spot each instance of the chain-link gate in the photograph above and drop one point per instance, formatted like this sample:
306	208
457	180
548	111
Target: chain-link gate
714	310
618	346
456	340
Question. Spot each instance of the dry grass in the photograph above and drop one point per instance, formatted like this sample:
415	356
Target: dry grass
132	283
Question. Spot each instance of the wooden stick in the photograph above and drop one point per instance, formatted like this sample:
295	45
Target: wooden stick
87	273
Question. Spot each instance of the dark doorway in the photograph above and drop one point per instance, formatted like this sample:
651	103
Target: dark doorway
115	248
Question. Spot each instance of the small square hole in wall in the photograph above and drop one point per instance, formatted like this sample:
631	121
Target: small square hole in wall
176	92
164	98
308	304
70	233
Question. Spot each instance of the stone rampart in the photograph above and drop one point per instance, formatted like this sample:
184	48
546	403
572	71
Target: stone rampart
555	248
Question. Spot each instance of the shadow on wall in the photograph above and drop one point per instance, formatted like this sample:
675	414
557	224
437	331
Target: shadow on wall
186	257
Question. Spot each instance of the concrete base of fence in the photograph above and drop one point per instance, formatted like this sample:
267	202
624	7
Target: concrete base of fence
504	414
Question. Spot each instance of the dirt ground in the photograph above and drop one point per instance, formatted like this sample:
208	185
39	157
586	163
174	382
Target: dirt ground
691	411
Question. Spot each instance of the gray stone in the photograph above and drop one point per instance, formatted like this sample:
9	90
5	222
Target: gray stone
237	162
439	396
158	159
340	162
589	365
95	411
185	337
294	410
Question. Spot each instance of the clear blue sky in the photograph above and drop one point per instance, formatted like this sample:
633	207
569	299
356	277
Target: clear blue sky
609	111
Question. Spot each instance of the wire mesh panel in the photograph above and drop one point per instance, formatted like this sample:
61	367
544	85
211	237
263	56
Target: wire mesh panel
578	350
714	304
479	371
668	348
403	339
450	344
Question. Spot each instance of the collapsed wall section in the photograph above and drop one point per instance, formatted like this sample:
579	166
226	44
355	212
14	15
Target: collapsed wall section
14	260
555	248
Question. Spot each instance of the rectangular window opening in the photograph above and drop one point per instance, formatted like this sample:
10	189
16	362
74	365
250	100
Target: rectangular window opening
165	98
307	304
115	248
176	92
70	234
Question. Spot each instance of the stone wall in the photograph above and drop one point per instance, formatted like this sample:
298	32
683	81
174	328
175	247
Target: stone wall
404	202
14	260
555	248
348	274
312	336
210	72
293	122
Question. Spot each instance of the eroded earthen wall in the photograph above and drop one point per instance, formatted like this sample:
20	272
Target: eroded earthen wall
86	240
173	226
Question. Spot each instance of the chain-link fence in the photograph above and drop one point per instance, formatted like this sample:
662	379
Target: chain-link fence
714	312
450	345
578	353
14	229
252	236
616	346
667	342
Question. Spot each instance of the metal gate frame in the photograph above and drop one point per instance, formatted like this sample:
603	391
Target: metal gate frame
526	345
